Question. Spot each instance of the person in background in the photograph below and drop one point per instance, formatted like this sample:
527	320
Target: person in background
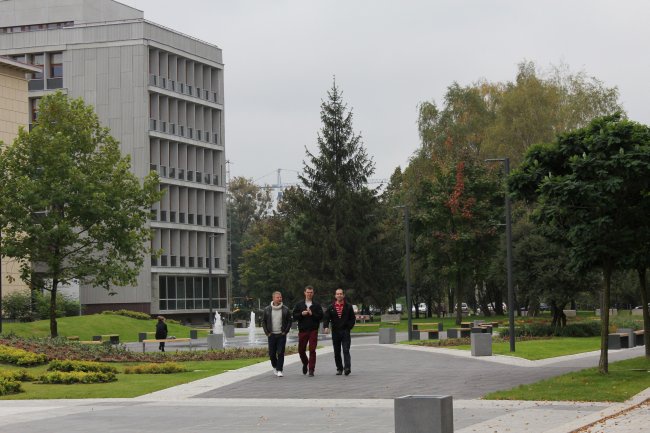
308	314
161	332
276	322
342	319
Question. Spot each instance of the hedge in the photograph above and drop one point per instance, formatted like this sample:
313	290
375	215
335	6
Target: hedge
579	329
17	356
17	375
129	313
8	386
67	378
86	366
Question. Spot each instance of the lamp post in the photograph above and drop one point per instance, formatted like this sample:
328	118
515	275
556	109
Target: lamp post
511	293
407	267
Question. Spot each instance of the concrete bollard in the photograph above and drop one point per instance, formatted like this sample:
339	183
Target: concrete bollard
424	414
229	331
215	341
387	336
142	336
194	334
481	344
630	336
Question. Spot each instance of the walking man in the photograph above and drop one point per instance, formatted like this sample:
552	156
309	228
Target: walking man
342	319
276	323
308	314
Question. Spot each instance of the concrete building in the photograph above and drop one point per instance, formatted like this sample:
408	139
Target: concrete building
13	114
161	94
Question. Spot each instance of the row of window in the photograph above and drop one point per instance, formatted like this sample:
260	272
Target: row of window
179	262
170	216
182	88
181	174
36	27
171	128
52	64
191	293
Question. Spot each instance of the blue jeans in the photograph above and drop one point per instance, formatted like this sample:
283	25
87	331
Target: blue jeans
277	342
342	339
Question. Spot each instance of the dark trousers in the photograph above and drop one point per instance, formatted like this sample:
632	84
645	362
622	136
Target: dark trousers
161	347
310	337
276	350
342	339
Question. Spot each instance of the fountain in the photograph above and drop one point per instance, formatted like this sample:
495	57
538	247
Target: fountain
251	329
217	340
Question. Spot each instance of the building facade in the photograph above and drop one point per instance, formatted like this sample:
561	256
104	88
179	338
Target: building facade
161	94
13	114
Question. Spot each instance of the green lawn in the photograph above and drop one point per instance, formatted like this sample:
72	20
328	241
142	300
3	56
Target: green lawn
97	324
127	385
542	349
625	379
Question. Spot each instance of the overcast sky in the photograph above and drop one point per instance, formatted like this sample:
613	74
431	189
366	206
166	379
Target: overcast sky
281	55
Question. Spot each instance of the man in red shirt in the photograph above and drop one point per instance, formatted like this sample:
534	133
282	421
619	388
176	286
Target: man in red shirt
342	318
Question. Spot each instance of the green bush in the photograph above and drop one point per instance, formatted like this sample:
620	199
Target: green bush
18	306
17	375
66	306
86	366
17	356
70	377
164	368
129	313
8	386
617	322
578	329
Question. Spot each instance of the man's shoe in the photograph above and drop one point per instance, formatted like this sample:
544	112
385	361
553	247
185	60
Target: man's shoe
275	371
339	372
311	373
347	371
304	369
280	374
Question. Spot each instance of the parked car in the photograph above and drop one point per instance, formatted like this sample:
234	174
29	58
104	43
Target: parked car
544	307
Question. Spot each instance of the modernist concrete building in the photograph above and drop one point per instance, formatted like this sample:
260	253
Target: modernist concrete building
13	114
161	94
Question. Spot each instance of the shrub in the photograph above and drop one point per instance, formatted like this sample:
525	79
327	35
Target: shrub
8	386
577	329
66	306
86	366
17	375
617	322
129	313
70	377
164	368
18	305
16	356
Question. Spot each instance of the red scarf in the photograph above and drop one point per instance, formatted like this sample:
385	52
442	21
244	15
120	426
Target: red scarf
339	308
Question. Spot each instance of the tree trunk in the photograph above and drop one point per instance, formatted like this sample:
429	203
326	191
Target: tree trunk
603	364
459	297
53	325
643	285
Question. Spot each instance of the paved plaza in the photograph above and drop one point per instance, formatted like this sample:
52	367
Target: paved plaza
252	399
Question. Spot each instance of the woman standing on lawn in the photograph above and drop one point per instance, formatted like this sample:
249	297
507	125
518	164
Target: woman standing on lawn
161	332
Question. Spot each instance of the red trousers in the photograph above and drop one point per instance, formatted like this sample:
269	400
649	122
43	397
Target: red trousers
310	337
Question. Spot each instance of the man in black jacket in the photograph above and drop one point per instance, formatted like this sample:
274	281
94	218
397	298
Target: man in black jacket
341	315
308	314
276	323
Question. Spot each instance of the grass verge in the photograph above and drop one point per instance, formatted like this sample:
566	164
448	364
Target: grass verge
127	385
625	379
544	348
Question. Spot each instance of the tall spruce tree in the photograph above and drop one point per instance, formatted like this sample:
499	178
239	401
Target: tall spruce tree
336	226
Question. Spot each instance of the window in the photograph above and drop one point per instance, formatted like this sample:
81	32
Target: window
34	108
172	217
208	218
182	264
199	220
154	261
163	215
38	60
190	218
163	260
154	215
181	217
56	65
199	262
198	177
173	261
191	262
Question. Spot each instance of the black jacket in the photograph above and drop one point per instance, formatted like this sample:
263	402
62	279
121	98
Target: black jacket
267	323
345	323
161	330
308	323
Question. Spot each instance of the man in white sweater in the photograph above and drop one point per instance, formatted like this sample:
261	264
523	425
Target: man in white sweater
276	323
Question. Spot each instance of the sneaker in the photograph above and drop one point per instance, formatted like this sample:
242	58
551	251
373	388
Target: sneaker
275	372
280	374
304	369
347	371
311	373
339	372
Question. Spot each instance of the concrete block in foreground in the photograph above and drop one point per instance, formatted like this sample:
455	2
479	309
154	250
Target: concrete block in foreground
481	344
229	331
387	335
215	341
424	414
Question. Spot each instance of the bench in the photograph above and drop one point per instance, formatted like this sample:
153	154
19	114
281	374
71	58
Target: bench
466	325
619	340
431	328
362	317
73	337
366	325
90	342
459	332
113	338
167	340
639	338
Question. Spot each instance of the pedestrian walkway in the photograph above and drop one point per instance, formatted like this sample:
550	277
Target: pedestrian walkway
252	399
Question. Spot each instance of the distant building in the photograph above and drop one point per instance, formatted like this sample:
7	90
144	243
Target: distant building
161	94
13	115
